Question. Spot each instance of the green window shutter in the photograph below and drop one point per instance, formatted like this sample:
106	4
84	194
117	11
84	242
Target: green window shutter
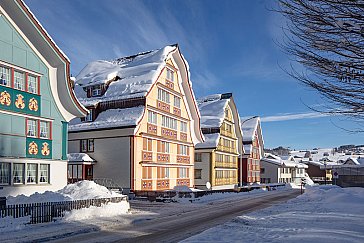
64	140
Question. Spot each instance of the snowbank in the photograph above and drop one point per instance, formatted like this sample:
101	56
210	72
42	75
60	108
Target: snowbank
77	191
105	211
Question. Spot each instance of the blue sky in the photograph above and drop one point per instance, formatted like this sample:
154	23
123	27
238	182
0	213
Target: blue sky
230	47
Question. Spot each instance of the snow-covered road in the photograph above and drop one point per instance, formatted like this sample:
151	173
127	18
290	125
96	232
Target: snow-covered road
174	221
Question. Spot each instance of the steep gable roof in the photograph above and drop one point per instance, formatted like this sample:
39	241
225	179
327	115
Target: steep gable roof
61	85
128	77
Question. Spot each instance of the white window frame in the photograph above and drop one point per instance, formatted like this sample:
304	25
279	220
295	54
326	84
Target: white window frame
96	90
15	170
5	177
32	173
44	173
44	129
183	127
182	172
5	76
183	149
177	102
90	115
32	128
19	80
170	75
163	96
166	147
32	84
152	117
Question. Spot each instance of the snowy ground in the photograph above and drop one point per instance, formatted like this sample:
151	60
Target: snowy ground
321	214
109	216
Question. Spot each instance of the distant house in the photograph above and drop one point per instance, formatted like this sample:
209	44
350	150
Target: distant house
216	159
143	122
80	167
253	151
36	104
318	172
275	169
349	174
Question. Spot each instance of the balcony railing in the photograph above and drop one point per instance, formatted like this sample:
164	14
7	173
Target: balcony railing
183	182
152	128
226	164
147	156
169	133
162	157
226	149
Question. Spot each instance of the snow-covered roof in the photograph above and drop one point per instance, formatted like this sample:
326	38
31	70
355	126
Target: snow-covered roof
211	141
212	110
281	162
133	76
249	128
109	119
79	157
248	148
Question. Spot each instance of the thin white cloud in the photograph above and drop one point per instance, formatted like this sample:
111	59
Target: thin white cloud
290	116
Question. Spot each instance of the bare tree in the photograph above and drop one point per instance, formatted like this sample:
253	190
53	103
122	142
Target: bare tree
327	38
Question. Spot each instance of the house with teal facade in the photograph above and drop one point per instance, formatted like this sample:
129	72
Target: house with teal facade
36	103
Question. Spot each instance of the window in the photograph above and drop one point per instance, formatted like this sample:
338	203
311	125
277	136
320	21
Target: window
90	145
5	76
44	173
262	170
32	173
147	173
90	115
219	174
4	173
87	145
183	149
198	173
43	129
152	117
75	171
198	157
163	96
147	144
18	173
32	84
96	90
165	147
177	101
84	145
169	122
170	74
182	172
19	81
183	126
32	128
162	172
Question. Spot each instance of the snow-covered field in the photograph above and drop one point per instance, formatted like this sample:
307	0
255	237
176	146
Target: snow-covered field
321	214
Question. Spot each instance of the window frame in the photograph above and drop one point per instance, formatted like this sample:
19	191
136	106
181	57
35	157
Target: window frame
40	173
170	75
7	78
35	181
199	173
178	103
22	176
4	172
19	85
35	126
98	90
152	117
35	82
47	129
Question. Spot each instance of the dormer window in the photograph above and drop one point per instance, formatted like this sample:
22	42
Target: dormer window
96	90
170	75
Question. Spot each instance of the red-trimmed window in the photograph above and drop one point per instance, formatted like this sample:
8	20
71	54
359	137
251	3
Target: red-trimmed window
32	128
5	76
19	80
32	84
39	129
